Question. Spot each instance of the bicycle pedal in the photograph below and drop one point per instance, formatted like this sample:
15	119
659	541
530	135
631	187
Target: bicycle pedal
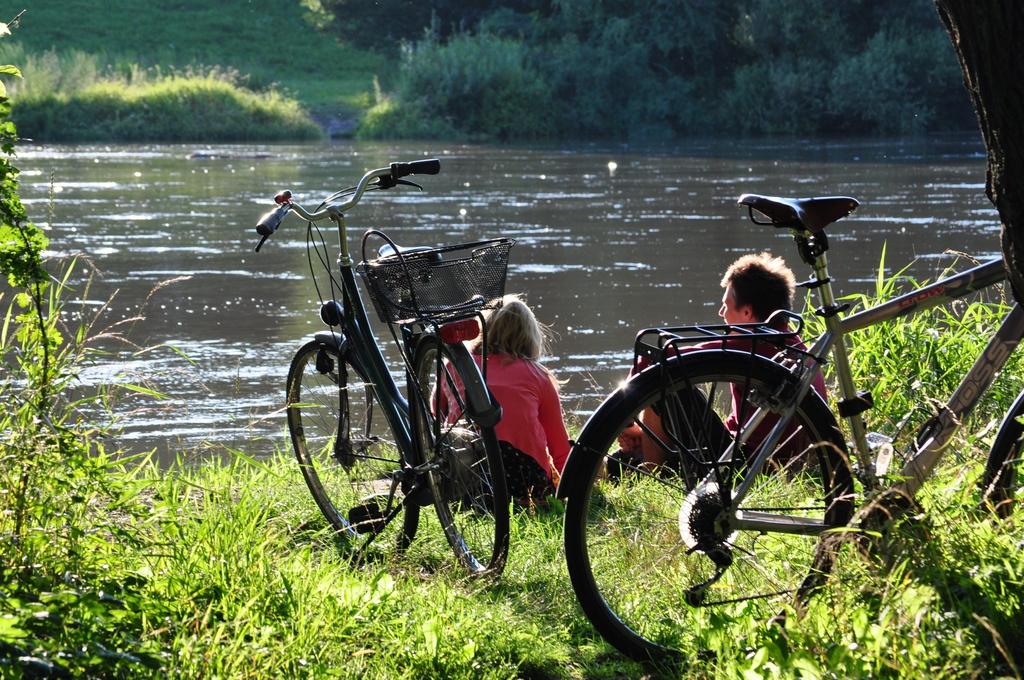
419	494
881	444
368	517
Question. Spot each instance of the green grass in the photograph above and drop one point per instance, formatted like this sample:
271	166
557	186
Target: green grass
228	569
272	43
168	109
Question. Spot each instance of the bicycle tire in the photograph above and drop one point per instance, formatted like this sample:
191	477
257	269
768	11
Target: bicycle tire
1000	479
463	459
330	402
637	547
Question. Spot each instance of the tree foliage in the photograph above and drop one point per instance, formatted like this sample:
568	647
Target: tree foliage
629	68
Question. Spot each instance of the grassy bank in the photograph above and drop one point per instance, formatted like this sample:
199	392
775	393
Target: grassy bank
229	570
167	109
273	44
193	71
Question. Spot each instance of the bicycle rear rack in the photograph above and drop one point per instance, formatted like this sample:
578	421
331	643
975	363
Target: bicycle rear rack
655	345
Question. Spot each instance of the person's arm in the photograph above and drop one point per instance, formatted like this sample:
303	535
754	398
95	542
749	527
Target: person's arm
550	415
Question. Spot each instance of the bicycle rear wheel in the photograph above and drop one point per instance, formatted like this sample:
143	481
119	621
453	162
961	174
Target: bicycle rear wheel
462	457
342	440
651	553
999	482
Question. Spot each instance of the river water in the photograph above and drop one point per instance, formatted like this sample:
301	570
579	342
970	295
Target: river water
609	240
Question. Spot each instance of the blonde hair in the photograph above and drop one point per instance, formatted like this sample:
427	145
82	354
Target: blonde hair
513	329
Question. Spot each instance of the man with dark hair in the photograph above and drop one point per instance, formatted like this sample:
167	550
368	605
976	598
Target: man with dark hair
755	286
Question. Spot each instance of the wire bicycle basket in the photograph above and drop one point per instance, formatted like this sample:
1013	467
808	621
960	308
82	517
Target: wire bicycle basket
432	283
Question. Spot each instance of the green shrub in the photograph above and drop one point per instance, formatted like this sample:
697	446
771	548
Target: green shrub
895	85
777	97
479	85
606	88
394	118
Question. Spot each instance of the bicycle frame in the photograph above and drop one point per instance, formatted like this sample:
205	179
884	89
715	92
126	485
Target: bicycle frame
931	440
358	342
935	434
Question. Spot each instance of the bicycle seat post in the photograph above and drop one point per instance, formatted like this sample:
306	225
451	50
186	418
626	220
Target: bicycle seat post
812	249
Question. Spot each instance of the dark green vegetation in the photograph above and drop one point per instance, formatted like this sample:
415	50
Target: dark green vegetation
626	70
528	69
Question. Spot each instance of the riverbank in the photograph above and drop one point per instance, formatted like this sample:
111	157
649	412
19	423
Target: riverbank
228	569
170	109
196	73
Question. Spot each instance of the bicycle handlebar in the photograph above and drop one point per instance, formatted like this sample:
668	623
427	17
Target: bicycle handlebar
430	166
387	177
271	220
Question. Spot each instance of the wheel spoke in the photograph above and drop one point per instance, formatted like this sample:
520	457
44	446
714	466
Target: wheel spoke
464	462
642	551
344	446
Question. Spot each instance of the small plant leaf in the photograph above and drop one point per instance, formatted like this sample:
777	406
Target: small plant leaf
144	390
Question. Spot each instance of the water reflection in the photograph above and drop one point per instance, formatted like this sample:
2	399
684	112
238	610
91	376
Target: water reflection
600	253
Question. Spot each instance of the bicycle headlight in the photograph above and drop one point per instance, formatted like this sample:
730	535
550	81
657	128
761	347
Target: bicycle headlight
332	312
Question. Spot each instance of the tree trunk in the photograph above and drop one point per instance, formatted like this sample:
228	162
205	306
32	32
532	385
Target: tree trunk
986	34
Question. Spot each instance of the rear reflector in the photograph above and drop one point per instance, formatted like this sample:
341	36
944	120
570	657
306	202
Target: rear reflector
460	331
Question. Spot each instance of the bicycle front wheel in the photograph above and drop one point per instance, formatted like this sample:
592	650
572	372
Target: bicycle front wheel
999	482
342	440
652	554
462	457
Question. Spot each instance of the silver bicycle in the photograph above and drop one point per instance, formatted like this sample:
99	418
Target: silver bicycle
757	470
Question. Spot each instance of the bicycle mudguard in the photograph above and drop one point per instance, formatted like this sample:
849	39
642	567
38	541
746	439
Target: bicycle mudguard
332	339
480	406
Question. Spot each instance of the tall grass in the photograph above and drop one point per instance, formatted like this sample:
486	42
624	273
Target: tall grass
170	109
73	96
912	365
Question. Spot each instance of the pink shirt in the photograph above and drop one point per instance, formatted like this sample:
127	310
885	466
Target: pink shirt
531	412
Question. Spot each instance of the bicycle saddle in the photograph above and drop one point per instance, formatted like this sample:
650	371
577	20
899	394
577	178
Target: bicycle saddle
812	214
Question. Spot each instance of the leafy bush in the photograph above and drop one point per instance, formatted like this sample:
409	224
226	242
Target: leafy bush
392	117
476	84
782	97
605	92
896	85
656	70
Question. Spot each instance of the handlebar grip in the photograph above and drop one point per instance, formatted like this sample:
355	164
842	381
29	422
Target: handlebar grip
427	166
271	220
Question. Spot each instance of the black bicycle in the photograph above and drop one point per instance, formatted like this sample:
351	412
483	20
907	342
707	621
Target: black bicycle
368	453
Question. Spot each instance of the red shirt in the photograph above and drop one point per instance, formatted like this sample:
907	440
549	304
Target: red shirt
762	348
531	411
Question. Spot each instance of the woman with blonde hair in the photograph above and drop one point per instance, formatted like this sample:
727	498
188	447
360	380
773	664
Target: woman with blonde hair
531	432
